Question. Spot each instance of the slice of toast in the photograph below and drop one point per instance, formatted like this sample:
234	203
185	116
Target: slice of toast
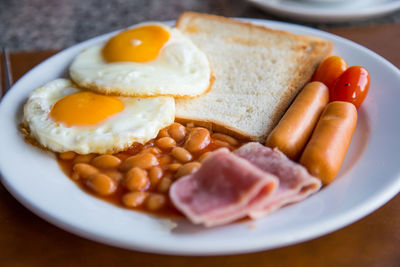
258	71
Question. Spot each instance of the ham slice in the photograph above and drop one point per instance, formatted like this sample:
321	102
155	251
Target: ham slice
253	181
295	183
224	189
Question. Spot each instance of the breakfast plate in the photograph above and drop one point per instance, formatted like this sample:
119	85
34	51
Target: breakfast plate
328	11
369	177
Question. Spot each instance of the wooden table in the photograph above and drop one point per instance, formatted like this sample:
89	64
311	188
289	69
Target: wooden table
27	240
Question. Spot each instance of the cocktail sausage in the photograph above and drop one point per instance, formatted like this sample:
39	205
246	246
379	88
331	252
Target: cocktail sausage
325	152
295	128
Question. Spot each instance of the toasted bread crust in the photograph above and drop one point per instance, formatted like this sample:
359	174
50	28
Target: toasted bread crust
190	15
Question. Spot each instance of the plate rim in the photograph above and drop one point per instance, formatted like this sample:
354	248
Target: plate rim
328	15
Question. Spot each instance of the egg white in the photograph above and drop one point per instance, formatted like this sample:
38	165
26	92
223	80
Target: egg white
140	121
181	69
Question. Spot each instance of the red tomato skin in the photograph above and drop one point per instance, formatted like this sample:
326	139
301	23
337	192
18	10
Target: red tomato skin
352	86
329	70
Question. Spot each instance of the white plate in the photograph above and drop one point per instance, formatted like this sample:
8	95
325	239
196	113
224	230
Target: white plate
368	179
346	10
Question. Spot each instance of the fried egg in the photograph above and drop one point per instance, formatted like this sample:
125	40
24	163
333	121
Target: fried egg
64	118
146	60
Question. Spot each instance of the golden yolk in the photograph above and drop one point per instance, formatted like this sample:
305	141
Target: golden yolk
85	109
140	44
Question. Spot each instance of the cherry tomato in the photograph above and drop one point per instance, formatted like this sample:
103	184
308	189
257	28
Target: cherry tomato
329	70
352	86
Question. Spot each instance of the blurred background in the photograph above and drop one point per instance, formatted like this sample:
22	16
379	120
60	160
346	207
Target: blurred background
52	25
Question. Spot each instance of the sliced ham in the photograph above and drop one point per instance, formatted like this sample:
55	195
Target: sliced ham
295	183
253	181
223	190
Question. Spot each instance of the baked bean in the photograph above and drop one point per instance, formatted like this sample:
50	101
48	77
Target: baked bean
155	201
84	170
150	143
177	131
136	179
106	161
220	143
155	174
165	160
181	154
165	143
174	166
164	184
187	168
75	176
122	156
69	155
84	158
226	138
142	160
134	149
102	184
142	175
163	133
114	174
204	156
190	125
152	150
198	139
134	199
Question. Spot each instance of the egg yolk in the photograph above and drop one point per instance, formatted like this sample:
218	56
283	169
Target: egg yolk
140	44
85	109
